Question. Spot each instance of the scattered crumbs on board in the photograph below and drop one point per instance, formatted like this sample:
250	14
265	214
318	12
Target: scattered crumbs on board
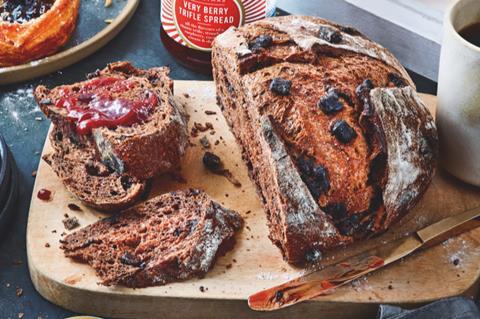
460	251
274	276
422	220
361	284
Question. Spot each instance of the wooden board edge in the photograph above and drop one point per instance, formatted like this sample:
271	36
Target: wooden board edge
144	306
19	73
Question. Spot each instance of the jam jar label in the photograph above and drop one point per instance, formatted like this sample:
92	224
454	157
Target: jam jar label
195	23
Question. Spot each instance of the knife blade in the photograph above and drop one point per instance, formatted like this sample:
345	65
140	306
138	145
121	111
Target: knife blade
324	281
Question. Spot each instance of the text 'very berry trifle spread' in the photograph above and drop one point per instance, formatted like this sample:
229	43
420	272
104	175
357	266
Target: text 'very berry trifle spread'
189	26
99	103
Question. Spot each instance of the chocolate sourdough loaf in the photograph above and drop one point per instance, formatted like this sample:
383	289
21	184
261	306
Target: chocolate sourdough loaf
334	134
171	237
142	147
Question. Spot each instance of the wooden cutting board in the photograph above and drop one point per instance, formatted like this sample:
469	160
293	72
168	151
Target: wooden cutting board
445	270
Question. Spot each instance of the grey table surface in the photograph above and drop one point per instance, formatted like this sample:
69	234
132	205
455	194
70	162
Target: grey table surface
25	134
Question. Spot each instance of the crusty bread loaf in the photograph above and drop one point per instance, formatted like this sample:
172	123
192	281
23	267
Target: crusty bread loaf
171	237
141	150
334	134
76	164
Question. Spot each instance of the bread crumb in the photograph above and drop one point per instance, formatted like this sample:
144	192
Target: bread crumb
108	21
21	315
108	3
202	127
74	207
71	223
34	174
456	261
19	292
204	141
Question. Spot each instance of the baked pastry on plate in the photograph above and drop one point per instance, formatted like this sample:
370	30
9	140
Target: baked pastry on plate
33	29
334	134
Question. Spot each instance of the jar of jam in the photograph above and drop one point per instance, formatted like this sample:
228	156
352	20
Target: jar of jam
188	27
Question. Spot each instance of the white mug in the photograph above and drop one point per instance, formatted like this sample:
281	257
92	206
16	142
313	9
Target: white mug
458	113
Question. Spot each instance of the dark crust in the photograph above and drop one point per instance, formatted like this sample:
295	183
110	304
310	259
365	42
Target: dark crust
242	78
171	237
146	149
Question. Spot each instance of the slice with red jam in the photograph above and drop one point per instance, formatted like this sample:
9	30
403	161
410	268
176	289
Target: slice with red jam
107	102
129	114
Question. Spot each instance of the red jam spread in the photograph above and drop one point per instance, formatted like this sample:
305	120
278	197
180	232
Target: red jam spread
95	105
44	194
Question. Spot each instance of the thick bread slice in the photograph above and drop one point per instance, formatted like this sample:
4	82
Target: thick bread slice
77	165
171	237
333	132
144	149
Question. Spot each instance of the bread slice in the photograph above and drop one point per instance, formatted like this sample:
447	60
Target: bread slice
172	237
332	129
77	165
144	149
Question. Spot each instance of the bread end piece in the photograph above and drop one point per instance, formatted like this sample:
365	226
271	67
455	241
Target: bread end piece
172	237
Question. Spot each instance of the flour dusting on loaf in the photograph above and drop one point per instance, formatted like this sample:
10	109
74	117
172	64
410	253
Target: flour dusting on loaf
409	130
304	32
302	213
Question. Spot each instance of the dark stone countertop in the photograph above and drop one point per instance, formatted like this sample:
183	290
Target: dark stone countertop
25	134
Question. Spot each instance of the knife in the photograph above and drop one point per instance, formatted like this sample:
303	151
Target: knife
324	281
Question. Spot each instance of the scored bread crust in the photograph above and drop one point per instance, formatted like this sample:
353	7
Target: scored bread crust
76	164
39	37
142	150
396	137
171	237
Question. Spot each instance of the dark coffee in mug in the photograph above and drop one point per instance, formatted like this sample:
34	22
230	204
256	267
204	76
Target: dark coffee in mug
471	33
